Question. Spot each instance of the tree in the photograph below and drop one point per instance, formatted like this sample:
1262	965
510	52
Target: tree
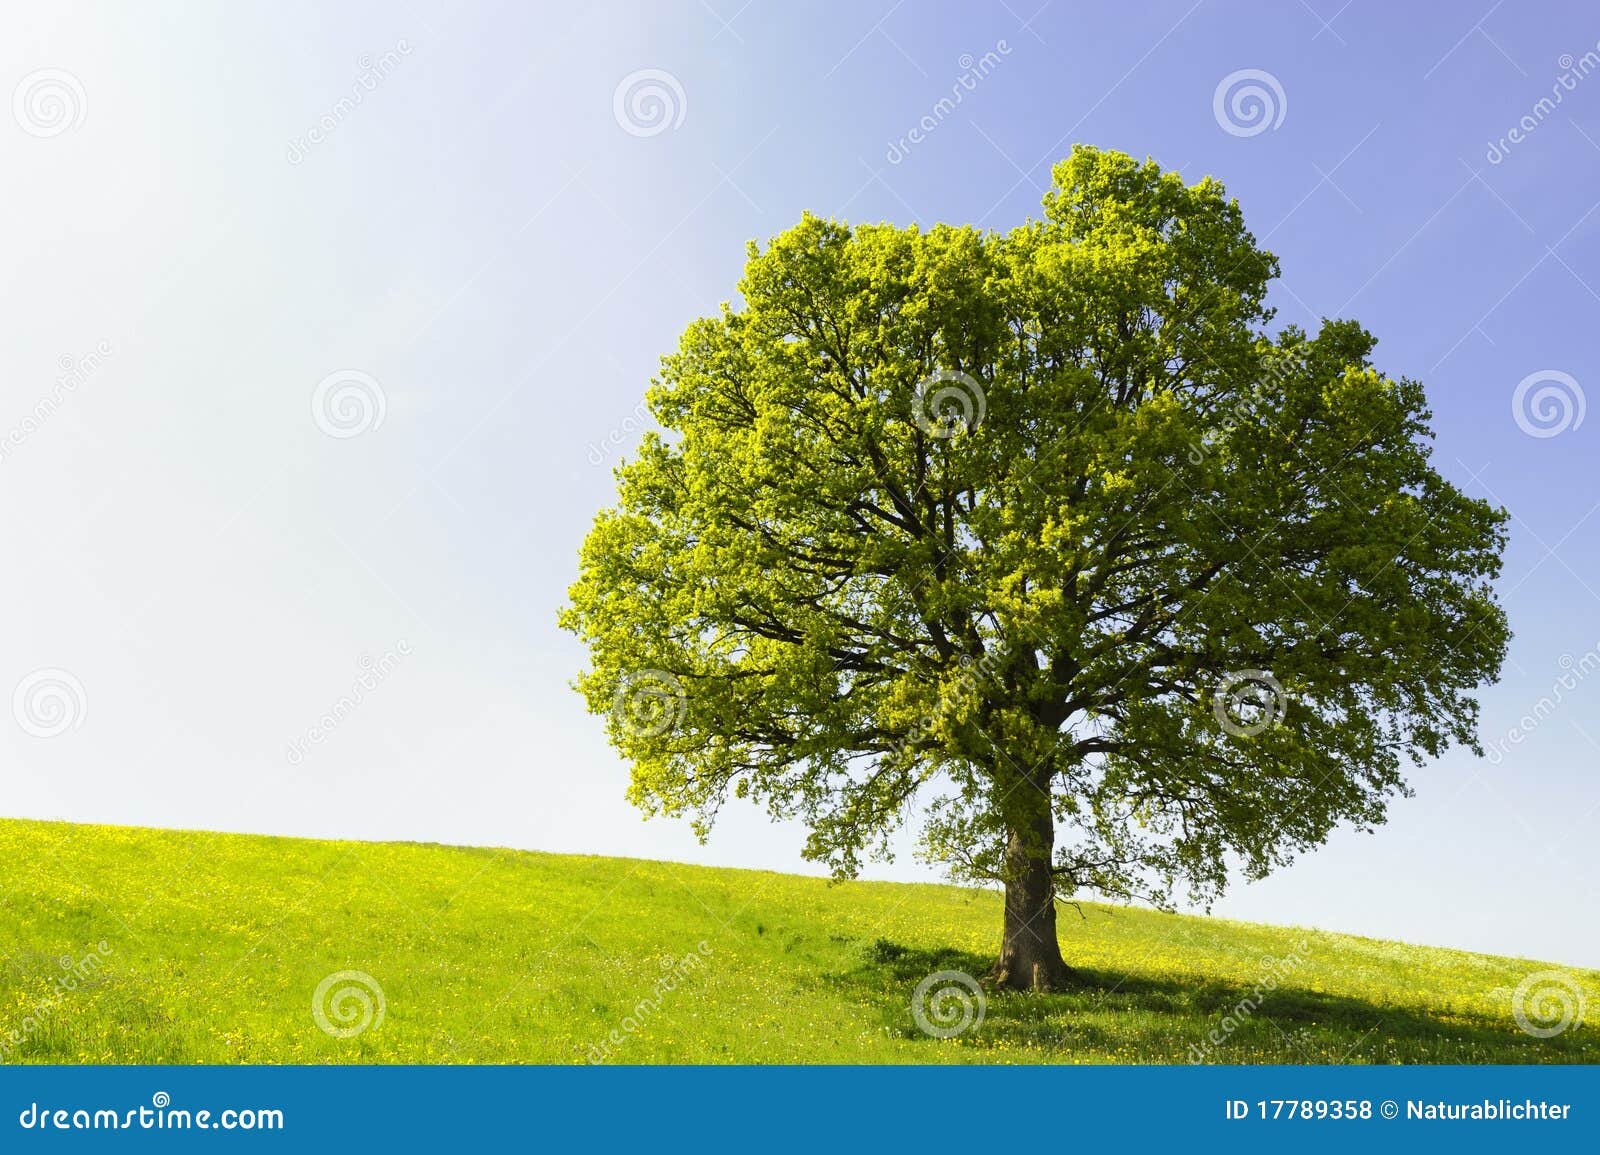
1043	535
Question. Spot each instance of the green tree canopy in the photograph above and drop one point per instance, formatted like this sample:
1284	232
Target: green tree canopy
1042	536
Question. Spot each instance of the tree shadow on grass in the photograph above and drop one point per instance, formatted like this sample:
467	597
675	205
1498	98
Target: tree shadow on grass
1113	1016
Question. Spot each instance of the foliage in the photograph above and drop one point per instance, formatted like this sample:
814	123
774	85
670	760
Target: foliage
1046	530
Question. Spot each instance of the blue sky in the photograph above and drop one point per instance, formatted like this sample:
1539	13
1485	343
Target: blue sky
206	225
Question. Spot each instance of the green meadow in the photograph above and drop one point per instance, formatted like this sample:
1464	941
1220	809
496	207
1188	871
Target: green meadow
130	945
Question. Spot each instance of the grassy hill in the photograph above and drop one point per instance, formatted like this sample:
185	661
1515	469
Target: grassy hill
132	945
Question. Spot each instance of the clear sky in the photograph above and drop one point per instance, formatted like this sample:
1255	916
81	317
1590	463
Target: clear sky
217	254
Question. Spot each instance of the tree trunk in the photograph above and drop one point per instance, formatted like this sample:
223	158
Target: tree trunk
1030	957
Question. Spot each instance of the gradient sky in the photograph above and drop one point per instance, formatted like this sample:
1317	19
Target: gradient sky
482	238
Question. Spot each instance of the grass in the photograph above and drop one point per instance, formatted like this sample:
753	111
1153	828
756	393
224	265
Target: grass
130	945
